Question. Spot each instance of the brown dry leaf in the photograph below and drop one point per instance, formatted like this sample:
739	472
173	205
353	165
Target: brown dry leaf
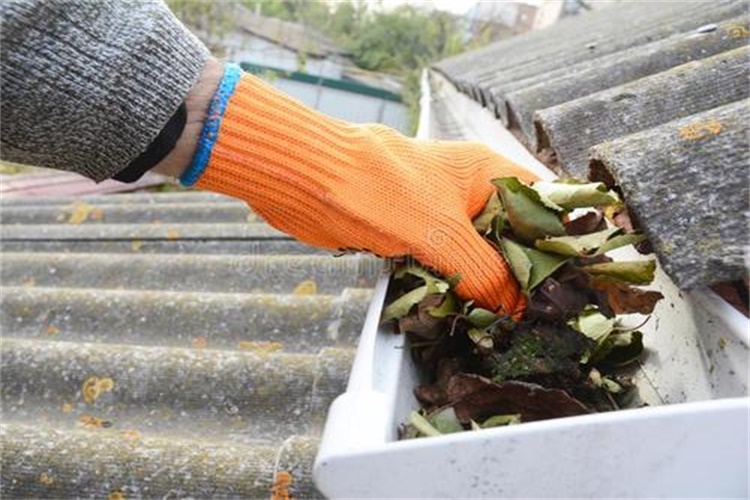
477	398
260	347
626	299
116	495
200	342
136	245
67	408
94	387
91	422
172	234
80	212
281	485
307	287
52	330
46	479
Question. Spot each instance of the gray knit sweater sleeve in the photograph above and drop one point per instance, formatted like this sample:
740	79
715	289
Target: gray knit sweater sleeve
88	84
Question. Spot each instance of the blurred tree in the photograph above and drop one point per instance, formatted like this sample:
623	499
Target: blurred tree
211	19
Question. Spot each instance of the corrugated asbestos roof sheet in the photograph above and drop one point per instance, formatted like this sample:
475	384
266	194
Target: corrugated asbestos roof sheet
651	96
167	346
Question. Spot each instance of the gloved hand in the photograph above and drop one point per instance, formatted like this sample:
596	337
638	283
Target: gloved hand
338	185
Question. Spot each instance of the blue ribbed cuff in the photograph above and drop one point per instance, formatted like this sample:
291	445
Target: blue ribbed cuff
210	132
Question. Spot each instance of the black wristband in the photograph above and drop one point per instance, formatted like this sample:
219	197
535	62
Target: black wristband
157	150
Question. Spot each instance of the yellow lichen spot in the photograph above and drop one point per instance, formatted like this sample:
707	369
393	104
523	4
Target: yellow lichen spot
29	282
722	342
200	342
136	245
116	495
260	347
80	211
307	287
46	479
172	234
91	422
700	130
281	485
131	435
52	330
67	408
738	31
94	387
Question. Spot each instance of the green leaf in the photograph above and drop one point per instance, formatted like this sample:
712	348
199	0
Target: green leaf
501	420
619	349
527	215
620	240
422	424
593	324
434	284
575	246
640	272
445	421
519	262
611	386
446	308
483	221
481	318
530	266
568	195
481	339
402	305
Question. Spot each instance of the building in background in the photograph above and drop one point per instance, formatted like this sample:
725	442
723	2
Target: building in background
516	17
307	65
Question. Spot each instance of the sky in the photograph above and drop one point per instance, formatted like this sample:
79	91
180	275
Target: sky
454	6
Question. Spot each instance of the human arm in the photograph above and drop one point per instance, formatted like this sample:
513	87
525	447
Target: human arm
329	183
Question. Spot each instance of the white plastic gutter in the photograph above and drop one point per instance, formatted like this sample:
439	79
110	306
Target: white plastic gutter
692	441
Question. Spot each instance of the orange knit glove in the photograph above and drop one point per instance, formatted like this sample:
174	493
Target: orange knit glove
338	185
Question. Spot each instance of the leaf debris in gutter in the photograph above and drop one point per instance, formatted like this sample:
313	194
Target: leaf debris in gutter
568	355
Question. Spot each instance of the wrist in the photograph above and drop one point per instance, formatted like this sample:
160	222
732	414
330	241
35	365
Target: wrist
197	104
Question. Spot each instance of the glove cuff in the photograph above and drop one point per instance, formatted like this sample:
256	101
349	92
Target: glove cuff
210	131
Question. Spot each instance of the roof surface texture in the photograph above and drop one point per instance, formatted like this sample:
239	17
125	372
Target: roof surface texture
167	346
651	96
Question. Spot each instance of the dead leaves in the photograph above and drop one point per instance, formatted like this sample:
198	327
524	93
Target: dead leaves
624	299
560	359
477	398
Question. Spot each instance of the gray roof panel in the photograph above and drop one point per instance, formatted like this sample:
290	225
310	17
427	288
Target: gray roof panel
686	183
617	76
571	128
223	356
615	69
